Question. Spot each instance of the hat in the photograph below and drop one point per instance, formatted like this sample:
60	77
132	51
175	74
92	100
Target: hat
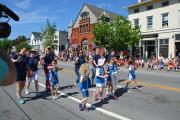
32	50
101	61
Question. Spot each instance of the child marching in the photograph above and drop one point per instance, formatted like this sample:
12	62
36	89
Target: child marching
84	85
100	79
53	68
132	76
112	72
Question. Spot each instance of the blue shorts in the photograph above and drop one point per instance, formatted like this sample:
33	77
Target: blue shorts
85	93
54	83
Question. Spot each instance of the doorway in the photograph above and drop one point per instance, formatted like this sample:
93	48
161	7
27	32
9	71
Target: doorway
177	50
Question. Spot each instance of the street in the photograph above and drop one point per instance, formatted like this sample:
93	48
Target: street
159	99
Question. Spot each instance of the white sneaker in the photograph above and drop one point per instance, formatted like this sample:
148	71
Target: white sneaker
27	92
55	97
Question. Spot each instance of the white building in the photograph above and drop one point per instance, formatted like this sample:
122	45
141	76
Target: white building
35	40
60	41
159	21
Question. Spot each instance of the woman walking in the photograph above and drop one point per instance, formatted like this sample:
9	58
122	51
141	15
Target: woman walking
20	60
33	71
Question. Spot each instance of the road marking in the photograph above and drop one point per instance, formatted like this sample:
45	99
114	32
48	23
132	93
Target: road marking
156	86
109	113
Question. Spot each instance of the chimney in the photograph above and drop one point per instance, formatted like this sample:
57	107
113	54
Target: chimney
139	1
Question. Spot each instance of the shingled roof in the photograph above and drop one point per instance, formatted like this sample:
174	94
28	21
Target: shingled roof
99	11
37	34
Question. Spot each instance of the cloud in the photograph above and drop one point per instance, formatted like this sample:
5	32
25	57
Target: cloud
105	5
23	4
35	16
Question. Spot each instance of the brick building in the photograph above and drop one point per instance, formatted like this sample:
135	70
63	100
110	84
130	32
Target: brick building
81	30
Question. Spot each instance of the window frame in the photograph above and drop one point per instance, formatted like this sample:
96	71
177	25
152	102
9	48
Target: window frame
149	24
135	20
165	23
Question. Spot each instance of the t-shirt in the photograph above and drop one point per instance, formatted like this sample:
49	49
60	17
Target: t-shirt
86	83
96	58
100	72
21	65
111	68
33	63
80	61
49	57
54	74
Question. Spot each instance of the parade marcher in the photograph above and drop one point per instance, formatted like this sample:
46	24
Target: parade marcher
112	71
94	65
132	76
54	81
20	60
100	78
48	58
84	85
32	72
78	62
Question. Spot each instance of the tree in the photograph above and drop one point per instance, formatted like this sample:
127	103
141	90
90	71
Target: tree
48	34
21	42
6	44
117	35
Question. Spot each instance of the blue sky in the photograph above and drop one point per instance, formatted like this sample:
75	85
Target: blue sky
34	13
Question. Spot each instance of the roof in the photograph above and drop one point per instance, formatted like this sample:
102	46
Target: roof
99	11
37	34
142	3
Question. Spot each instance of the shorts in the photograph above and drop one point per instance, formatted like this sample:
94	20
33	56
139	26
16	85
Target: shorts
100	85
21	77
34	75
85	93
132	78
54	83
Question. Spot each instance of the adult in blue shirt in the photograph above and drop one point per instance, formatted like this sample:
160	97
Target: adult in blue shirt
33	61
78	62
20	60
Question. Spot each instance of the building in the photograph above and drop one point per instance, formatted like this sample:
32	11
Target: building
35	40
159	21
60	41
82	36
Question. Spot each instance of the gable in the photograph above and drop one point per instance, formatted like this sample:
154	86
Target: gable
93	18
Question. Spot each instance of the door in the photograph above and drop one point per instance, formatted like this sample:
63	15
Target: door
177	48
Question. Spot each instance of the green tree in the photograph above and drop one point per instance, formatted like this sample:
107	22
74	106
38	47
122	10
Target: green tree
117	35
6	44
21	42
48	34
101	33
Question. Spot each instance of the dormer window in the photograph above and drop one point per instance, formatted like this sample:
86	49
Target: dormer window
84	15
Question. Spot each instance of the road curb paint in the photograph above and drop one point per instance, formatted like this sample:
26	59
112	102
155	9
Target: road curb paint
109	113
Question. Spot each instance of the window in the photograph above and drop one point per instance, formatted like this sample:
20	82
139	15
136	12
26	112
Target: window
136	10
164	47
177	37
136	23
166	3
84	15
179	16
165	20
150	7
84	28
149	22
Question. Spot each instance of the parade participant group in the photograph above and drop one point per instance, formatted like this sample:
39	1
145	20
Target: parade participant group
103	75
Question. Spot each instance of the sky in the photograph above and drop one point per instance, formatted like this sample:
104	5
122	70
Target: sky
34	13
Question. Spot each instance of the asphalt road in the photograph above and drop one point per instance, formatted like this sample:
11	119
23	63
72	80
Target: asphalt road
158	100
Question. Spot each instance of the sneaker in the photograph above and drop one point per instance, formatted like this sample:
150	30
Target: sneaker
138	89
27	92
85	108
80	107
21	101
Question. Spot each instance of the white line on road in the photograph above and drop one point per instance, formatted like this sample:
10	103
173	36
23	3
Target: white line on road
109	113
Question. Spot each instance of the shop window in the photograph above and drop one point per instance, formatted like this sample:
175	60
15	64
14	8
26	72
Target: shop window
164	47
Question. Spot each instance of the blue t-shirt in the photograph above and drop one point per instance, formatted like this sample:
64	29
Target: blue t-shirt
33	63
111	68
54	75
21	65
100	72
79	62
132	72
86	83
